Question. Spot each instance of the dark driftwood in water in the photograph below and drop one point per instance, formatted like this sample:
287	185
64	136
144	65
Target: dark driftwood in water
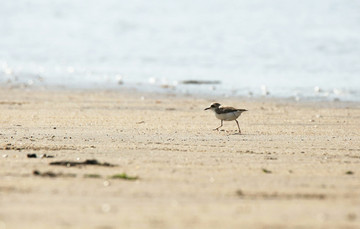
200	82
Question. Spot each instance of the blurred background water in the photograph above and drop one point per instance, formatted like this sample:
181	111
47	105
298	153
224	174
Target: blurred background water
282	48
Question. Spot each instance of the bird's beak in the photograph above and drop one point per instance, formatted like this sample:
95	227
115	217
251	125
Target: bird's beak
206	108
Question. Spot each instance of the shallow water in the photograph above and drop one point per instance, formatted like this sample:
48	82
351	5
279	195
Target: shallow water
301	49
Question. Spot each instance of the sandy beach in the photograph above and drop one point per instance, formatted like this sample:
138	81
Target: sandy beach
160	164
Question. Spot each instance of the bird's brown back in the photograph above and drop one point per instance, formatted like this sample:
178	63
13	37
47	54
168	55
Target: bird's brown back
222	110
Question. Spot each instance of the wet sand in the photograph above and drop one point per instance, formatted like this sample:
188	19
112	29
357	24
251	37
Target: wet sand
295	165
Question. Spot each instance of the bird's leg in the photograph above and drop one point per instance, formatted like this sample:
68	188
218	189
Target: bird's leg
238	125
219	126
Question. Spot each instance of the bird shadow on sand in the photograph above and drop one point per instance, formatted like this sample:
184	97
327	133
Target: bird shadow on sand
229	133
232	132
236	133
239	134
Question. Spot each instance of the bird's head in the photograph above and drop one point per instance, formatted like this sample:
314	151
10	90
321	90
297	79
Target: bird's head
213	106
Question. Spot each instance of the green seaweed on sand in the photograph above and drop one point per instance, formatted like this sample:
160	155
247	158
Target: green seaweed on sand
123	176
266	171
92	176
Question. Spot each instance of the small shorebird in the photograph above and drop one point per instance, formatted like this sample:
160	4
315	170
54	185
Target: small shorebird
226	113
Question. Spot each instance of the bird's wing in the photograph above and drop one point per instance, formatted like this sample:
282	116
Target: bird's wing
227	109
230	109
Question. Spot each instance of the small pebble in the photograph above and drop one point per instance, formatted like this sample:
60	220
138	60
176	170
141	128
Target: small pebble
239	192
46	156
105	207
5	156
31	155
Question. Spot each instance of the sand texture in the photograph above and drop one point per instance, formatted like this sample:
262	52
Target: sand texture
295	165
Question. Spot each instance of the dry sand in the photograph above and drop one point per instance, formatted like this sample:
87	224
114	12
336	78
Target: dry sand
295	165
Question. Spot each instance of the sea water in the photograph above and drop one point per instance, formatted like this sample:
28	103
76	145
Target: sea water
281	48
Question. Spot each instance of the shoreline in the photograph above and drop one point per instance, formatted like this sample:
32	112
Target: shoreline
295	165
214	97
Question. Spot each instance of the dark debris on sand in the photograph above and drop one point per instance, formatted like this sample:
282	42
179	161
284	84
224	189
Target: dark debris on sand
34	155
52	174
77	163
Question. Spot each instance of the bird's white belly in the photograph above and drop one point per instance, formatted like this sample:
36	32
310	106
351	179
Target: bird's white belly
231	116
